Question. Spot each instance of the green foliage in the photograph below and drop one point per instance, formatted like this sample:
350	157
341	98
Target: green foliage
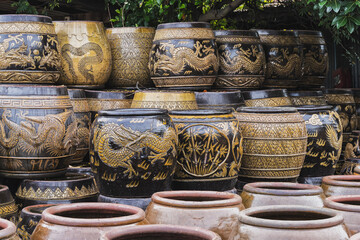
23	6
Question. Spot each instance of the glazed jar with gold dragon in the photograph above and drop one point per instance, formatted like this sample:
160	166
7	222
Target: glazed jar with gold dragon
283	52
85	53
28	49
324	142
130	48
266	98
133	152
38	131
209	150
184	55
241	58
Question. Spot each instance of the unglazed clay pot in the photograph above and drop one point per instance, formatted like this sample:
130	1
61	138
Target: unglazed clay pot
349	207
160	232
85	221
355	237
242	59
283	52
289	222
133	152
209	149
7	230
267	98
280	193
85	53
341	185
274	143
215	211
29	49
219	99
300	98
38	129
130	48
28	220
170	100
8	208
184	55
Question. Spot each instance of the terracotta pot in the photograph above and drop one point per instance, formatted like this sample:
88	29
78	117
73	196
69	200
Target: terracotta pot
71	188
8	208
85	221
274	143
85	53
357	170
341	185
28	220
209	150
82	117
283	52
289	222
219	99
242	59
7	230
160	232
39	131
29	49
184	55
215	211
355	237
315	58
267	98
348	207
301	98
280	193
133	152
130	48
170	100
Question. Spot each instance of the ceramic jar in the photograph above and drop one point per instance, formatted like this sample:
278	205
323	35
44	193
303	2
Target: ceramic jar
85	53
209	149
8	208
341	185
267	98
133	151
219	99
68	189
351	147
130	49
170	100
160	232
184	55
323	126
349	166
290	222
215	211
274	143
7	230
82	117
300	98
283	52
281	193
315	58
356	93
83	168
241	58
28	220
85	221
29	49
38	129
355	237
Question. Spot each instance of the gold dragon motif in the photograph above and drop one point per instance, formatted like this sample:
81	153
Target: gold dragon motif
293	63
334	140
311	65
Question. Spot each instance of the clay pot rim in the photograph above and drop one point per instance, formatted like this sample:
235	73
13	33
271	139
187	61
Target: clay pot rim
342	91
164	91
333	220
314	108
305	93
8	228
266	32
184	25
309	32
76	21
260	94
355	236
76	93
267	110
134	112
299	189
25	18
101	94
201	112
119	30
225	199
161	229
137	214
236	33
336	180
84	177
339	203
27	210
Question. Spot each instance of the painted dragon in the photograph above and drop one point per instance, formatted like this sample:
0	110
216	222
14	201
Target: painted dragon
293	63
117	145
311	65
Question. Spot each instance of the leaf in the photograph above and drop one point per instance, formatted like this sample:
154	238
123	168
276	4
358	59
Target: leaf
336	6
341	22
350	26
350	8
322	3
355	19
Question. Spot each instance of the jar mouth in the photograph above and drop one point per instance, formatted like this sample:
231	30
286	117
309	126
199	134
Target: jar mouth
314	108
202	112
7	228
36	210
196	199
282	189
260	94
120	94
348	203
93	214
267	110
133	112
236	33
24	18
290	217
338	91
68	178
342	180
183	25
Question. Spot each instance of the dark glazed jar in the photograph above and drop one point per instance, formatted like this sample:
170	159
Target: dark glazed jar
219	99
356	93
29	49
69	189
133	151
242	59
82	117
184	55
8	208
283	53
38	129
349	166
336	185
267	98
7	230
300	98
209	149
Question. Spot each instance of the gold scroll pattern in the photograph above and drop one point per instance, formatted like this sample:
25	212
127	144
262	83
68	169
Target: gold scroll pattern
181	81
8	208
184	33
107	104
46	102
29	77
170	105
244	81
339	98
27	27
308	100
268	102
